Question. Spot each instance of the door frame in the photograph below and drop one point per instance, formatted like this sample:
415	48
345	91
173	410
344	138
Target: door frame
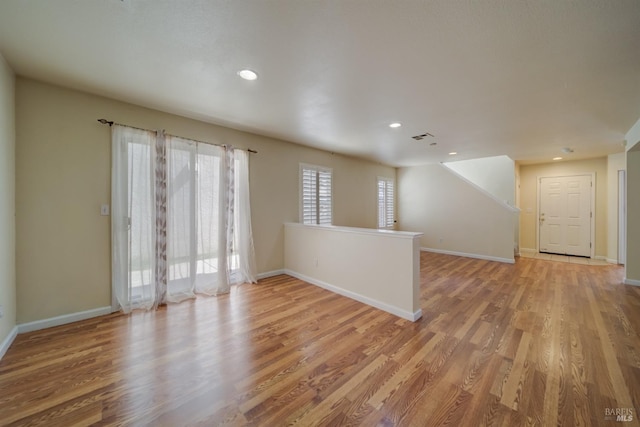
593	207
622	217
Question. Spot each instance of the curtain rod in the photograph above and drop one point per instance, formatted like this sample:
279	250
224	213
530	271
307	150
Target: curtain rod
111	123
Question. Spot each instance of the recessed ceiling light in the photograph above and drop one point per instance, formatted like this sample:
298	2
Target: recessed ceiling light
453	153
395	125
248	74
557	158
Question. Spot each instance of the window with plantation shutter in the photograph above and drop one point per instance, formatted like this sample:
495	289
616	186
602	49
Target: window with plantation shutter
385	203
315	195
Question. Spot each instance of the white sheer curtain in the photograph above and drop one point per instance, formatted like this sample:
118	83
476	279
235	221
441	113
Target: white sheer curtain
195	214
133	217
245	269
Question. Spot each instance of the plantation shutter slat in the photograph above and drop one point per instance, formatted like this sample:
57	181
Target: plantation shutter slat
324	197
381	204
309	188
385	203
316	195
389	204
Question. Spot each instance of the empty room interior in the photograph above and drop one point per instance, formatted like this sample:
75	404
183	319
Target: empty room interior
266	213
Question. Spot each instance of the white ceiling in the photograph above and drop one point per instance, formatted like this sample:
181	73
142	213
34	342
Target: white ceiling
491	77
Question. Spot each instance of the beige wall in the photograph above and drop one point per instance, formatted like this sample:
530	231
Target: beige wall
63	173
454	216
615	162
529	194
7	200
379	268
493	174
632	269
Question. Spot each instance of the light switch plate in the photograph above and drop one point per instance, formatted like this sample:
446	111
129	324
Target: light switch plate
104	210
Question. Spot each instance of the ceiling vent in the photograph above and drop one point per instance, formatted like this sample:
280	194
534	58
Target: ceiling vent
423	136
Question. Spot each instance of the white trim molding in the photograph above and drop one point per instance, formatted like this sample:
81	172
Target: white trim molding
528	251
466	255
631	282
357	230
63	320
360	298
612	261
268	274
6	343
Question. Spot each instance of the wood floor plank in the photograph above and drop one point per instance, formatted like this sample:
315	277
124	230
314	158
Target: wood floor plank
536	343
333	399
621	392
510	396
552	390
578	377
410	367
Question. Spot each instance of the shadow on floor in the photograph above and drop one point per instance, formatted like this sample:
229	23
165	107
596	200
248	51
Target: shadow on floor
564	258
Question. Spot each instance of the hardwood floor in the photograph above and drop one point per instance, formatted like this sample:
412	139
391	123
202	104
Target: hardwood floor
536	343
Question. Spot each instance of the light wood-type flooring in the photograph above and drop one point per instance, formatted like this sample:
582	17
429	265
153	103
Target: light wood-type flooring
536	343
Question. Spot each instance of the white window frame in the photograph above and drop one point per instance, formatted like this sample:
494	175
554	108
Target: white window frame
317	169
386	222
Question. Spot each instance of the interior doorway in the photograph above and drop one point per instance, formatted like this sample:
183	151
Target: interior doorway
565	219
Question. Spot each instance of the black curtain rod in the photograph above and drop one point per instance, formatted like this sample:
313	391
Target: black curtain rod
111	123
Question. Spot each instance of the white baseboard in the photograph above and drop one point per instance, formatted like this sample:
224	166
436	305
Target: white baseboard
360	298
528	251
600	257
466	255
6	343
631	282
612	261
63	320
267	274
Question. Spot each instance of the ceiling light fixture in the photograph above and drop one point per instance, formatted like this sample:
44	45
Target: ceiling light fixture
248	74
567	150
395	125
557	158
453	153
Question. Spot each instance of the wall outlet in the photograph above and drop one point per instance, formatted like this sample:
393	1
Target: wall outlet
441	240
104	210
1	312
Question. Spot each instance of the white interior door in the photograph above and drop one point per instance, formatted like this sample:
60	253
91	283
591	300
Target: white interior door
565	215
